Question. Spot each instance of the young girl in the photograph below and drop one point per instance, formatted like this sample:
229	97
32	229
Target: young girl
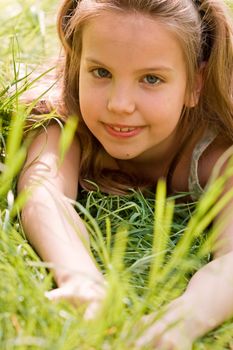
151	84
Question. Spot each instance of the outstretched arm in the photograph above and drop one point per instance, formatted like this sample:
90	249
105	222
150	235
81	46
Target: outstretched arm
51	224
206	303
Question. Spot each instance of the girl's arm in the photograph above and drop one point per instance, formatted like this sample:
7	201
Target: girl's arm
206	303
51	224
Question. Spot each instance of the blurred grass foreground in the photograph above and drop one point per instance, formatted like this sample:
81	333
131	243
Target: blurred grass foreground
121	228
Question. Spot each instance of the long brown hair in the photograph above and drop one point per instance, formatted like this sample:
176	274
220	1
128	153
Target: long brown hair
204	29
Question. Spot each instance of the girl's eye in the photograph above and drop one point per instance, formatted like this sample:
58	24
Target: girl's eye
101	73
151	79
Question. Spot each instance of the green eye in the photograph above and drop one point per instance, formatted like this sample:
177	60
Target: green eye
151	79
101	73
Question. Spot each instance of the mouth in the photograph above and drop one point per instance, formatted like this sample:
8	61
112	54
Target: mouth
123	130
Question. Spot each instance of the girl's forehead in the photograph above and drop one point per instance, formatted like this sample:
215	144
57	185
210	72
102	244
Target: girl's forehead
130	35
115	22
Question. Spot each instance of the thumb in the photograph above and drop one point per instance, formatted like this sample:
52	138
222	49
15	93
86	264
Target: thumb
91	310
54	295
60	293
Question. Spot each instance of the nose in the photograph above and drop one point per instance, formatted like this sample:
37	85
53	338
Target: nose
121	99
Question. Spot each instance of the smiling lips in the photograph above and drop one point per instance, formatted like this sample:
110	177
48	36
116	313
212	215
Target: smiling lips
123	130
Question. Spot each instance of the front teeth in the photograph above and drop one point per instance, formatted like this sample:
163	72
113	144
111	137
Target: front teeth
122	129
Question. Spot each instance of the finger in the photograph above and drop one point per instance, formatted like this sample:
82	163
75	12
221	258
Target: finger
91	311
164	343
170	342
171	339
57	294
75	296
151	334
60	294
144	323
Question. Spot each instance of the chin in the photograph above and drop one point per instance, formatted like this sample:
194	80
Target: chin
120	156
126	157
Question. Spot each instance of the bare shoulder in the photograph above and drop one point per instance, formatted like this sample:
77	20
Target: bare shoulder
210	157
43	161
45	145
206	163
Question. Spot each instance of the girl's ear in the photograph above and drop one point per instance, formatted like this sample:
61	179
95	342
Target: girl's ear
194	98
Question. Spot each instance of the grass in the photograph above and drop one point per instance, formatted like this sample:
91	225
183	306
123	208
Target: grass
143	273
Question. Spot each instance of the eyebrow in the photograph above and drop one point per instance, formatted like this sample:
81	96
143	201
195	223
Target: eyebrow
147	69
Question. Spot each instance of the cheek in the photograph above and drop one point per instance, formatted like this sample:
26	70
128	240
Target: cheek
92	101
91	106
86	97
83	95
175	100
84	101
164	109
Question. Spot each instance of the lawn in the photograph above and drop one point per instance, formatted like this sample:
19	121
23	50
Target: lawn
143	272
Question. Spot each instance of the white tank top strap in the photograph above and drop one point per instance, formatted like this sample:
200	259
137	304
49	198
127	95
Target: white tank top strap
195	188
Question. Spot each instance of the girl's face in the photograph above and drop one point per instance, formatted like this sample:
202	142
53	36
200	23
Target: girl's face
132	85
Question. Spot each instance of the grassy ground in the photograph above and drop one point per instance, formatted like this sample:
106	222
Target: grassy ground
122	228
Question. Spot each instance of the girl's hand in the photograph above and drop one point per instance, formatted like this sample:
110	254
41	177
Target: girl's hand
161	339
81	292
170	332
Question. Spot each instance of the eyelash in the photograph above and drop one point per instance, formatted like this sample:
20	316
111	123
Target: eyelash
158	80
96	74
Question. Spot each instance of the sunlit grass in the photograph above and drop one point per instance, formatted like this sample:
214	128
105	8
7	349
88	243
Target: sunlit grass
31	23
146	246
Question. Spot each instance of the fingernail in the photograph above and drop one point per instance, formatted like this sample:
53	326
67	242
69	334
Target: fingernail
47	295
